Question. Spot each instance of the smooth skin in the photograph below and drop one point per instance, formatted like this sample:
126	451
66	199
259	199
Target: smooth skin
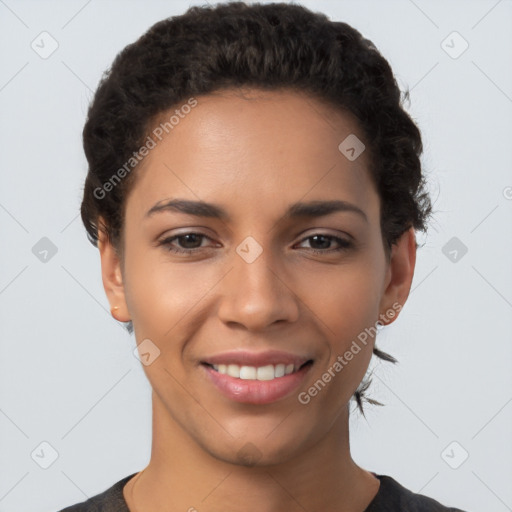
254	154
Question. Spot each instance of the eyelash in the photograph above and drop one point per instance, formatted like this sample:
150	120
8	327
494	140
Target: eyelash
344	244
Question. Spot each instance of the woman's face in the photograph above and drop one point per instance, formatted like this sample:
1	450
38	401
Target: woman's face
270	285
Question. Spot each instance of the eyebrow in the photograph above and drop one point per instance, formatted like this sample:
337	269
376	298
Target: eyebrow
310	209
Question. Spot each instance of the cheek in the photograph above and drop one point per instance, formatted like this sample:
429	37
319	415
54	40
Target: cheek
160	295
349	307
347	300
348	310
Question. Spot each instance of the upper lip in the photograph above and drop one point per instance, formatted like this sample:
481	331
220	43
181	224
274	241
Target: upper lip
256	359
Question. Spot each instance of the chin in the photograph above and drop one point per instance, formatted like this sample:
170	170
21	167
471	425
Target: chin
258	451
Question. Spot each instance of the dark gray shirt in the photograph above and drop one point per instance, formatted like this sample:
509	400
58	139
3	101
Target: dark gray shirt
391	497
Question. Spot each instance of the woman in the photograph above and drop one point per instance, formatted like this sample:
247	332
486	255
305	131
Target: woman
254	189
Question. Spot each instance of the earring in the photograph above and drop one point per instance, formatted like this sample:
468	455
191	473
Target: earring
115	308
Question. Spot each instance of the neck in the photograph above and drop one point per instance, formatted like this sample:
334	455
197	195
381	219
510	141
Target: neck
184	476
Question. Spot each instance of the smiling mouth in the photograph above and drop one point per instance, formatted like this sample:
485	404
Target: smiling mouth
261	373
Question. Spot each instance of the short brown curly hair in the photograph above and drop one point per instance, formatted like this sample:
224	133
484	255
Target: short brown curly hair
272	46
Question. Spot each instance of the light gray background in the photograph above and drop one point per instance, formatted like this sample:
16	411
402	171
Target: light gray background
67	372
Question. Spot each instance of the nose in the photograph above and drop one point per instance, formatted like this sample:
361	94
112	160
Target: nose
257	294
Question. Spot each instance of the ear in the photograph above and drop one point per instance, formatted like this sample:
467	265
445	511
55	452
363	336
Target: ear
112	276
399	276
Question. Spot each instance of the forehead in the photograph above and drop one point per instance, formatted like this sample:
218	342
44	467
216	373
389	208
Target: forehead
255	148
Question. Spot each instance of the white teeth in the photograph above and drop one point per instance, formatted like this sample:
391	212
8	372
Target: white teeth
233	370
267	372
280	368
247	372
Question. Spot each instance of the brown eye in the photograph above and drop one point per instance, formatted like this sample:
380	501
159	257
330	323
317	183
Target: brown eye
324	242
188	242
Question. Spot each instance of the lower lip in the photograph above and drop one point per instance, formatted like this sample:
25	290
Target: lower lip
256	391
